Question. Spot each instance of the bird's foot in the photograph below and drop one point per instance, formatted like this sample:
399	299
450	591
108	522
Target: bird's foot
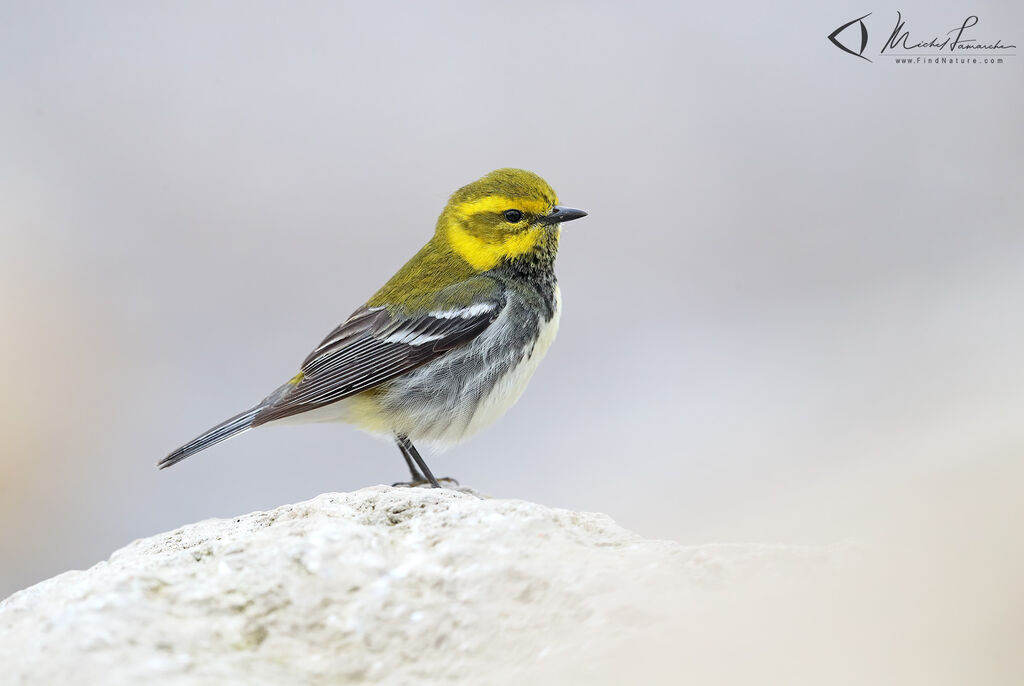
444	481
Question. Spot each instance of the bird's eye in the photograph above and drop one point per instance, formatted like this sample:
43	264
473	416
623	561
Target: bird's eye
513	216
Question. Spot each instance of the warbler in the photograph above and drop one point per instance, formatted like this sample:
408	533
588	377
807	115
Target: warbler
449	343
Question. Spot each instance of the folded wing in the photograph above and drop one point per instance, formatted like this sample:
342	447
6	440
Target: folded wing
374	346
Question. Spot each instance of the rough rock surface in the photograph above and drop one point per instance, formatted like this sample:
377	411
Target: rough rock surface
383	585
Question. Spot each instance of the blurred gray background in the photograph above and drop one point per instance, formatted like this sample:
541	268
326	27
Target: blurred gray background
796	300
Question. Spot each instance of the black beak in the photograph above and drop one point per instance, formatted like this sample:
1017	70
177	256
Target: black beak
561	214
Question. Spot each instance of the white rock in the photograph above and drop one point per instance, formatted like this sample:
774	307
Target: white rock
384	585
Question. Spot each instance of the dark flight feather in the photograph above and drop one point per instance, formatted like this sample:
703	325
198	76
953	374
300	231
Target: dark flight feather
374	346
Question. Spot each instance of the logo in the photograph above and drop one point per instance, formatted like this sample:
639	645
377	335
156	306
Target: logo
959	45
863	36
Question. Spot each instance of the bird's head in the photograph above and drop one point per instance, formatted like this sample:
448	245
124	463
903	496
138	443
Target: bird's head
505	215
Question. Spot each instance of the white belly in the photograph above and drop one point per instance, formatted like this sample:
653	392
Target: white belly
511	386
447	420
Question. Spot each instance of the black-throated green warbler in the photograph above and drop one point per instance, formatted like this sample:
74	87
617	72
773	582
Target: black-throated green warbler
450	342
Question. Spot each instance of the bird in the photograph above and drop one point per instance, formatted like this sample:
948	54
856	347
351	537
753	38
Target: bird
449	343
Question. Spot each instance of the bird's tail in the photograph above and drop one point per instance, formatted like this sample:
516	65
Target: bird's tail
221	432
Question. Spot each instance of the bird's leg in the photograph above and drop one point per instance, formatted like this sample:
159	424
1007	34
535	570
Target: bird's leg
417	478
409	451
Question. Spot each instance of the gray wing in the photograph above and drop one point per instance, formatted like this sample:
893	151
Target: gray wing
374	346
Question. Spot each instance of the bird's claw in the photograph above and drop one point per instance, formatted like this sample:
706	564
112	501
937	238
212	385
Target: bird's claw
446	480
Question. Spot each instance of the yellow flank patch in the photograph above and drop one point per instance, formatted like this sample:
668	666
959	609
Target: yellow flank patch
483	255
500	203
297	378
365	412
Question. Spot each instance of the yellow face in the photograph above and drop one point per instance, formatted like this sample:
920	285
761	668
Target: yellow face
508	213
